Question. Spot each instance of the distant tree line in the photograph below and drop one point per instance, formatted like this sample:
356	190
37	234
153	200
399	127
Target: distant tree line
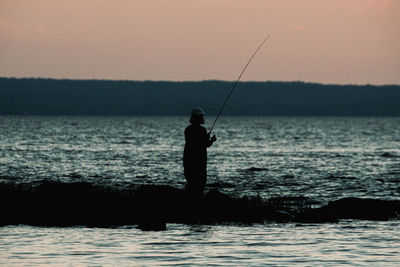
29	96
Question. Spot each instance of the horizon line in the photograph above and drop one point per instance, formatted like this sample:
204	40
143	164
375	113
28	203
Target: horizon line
205	80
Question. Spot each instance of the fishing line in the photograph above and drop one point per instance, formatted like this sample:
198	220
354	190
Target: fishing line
237	81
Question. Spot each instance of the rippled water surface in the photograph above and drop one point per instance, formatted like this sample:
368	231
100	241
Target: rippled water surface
321	158
348	242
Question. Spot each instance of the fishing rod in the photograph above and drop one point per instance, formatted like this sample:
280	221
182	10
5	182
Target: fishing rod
237	81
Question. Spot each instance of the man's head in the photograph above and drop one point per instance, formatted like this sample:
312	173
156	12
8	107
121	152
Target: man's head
197	116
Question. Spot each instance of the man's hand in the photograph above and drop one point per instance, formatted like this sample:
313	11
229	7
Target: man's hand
213	138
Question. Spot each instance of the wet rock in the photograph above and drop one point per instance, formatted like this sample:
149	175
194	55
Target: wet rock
317	215
152	206
366	208
352	208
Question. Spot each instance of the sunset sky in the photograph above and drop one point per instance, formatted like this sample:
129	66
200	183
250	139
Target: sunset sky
340	41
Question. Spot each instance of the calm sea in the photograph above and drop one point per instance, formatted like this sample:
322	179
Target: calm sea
320	158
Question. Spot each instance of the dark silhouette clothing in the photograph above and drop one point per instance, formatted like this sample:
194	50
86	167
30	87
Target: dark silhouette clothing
195	157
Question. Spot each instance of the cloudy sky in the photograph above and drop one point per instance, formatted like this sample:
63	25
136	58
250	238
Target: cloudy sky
341	41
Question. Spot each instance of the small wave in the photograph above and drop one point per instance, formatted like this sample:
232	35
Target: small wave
141	176
220	185
332	176
74	175
255	169
124	142
388	155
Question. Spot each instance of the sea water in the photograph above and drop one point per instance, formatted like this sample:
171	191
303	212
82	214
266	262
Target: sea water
320	158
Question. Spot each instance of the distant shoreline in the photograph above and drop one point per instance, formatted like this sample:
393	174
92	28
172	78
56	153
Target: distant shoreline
194	81
93	97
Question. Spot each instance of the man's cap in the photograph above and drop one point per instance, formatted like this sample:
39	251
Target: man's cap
198	111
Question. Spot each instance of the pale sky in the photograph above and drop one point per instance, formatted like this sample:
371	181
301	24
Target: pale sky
327	41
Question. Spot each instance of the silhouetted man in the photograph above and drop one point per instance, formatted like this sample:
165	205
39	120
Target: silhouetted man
195	153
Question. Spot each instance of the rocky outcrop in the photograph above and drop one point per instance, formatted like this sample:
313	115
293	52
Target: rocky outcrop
152	206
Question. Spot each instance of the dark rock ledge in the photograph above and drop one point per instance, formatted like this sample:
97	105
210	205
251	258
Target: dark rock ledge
152	206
